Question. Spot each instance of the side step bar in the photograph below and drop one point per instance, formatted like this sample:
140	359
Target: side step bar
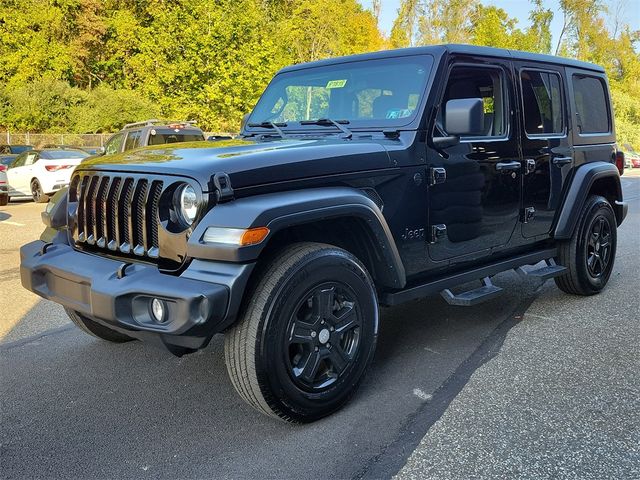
448	281
544	273
472	297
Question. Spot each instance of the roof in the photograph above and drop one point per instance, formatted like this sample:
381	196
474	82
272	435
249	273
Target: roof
438	50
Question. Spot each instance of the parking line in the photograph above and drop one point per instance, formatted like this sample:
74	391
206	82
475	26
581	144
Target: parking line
9	222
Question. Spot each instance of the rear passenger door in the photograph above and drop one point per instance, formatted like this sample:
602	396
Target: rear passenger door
547	156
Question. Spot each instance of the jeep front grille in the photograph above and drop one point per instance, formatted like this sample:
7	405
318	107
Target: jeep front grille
118	213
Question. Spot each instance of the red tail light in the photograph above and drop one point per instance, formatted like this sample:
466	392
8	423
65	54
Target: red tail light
55	168
3	168
620	161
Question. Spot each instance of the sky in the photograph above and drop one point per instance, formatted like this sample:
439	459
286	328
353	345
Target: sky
518	9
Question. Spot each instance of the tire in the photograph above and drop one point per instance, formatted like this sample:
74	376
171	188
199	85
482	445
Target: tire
304	377
588	273
95	329
4	200
36	192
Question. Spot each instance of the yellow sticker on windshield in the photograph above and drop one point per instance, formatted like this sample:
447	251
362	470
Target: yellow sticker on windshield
336	83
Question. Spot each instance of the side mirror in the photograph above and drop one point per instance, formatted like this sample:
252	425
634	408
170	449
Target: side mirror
464	116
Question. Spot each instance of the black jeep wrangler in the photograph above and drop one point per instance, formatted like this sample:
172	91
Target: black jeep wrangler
358	182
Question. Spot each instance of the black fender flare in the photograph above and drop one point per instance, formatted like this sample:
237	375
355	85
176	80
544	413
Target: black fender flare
582	181
281	210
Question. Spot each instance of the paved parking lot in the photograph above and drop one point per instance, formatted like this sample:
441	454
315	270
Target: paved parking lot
533	384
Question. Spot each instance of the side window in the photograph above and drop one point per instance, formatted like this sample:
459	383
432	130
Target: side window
19	161
487	84
591	104
114	145
133	140
542	102
31	159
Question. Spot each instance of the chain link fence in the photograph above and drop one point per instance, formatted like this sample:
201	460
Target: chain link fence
39	140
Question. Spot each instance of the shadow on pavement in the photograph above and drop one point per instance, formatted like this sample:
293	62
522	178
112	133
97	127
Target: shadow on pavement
75	406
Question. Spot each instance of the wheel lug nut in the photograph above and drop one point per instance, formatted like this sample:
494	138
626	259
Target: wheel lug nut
331	329
315	349
313	334
329	345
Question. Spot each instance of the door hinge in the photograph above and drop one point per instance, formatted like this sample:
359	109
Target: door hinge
438	232
437	175
528	215
222	184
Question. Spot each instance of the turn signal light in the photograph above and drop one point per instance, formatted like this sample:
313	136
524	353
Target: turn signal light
235	236
254	236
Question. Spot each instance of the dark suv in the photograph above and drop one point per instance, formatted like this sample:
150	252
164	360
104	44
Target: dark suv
358	182
152	132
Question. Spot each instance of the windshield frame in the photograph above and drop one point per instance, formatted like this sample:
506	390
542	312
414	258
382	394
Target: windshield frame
357	125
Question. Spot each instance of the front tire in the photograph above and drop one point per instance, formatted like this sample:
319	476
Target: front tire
591	251
36	192
95	329
307	335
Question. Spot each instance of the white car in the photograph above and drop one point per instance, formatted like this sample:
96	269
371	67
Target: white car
4	197
39	173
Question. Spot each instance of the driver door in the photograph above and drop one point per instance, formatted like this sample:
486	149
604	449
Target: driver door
476	208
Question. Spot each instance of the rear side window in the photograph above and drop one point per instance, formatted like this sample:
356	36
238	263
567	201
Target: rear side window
133	140
591	104
542	102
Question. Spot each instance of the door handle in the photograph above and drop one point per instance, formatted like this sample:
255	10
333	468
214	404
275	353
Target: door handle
562	160
502	166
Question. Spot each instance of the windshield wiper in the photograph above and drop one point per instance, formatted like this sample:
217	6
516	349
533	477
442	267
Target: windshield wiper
272	125
339	124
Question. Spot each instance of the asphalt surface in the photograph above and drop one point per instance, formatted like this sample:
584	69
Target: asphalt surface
535	383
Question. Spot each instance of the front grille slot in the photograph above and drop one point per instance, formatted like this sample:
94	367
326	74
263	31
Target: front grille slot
119	213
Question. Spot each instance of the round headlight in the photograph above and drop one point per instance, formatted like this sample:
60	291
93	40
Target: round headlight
188	203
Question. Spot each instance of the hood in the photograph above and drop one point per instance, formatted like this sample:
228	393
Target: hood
249	162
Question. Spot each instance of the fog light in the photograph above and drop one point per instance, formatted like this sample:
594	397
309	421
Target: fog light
158	310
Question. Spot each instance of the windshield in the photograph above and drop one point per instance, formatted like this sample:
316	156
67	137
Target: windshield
62	154
369	93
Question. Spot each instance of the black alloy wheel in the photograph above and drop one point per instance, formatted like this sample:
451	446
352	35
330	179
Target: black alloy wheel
324	335
590	253
307	334
598	246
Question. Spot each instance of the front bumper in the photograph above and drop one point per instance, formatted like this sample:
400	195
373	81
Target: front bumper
200	302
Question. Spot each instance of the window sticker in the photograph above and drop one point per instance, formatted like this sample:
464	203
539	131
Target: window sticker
336	83
398	113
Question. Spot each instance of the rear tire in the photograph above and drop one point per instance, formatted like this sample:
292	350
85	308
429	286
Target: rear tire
590	253
95	329
307	335
4	200
36	192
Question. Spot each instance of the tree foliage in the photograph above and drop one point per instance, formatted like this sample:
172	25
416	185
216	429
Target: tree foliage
93	65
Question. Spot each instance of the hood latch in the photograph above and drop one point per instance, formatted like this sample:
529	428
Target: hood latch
224	191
